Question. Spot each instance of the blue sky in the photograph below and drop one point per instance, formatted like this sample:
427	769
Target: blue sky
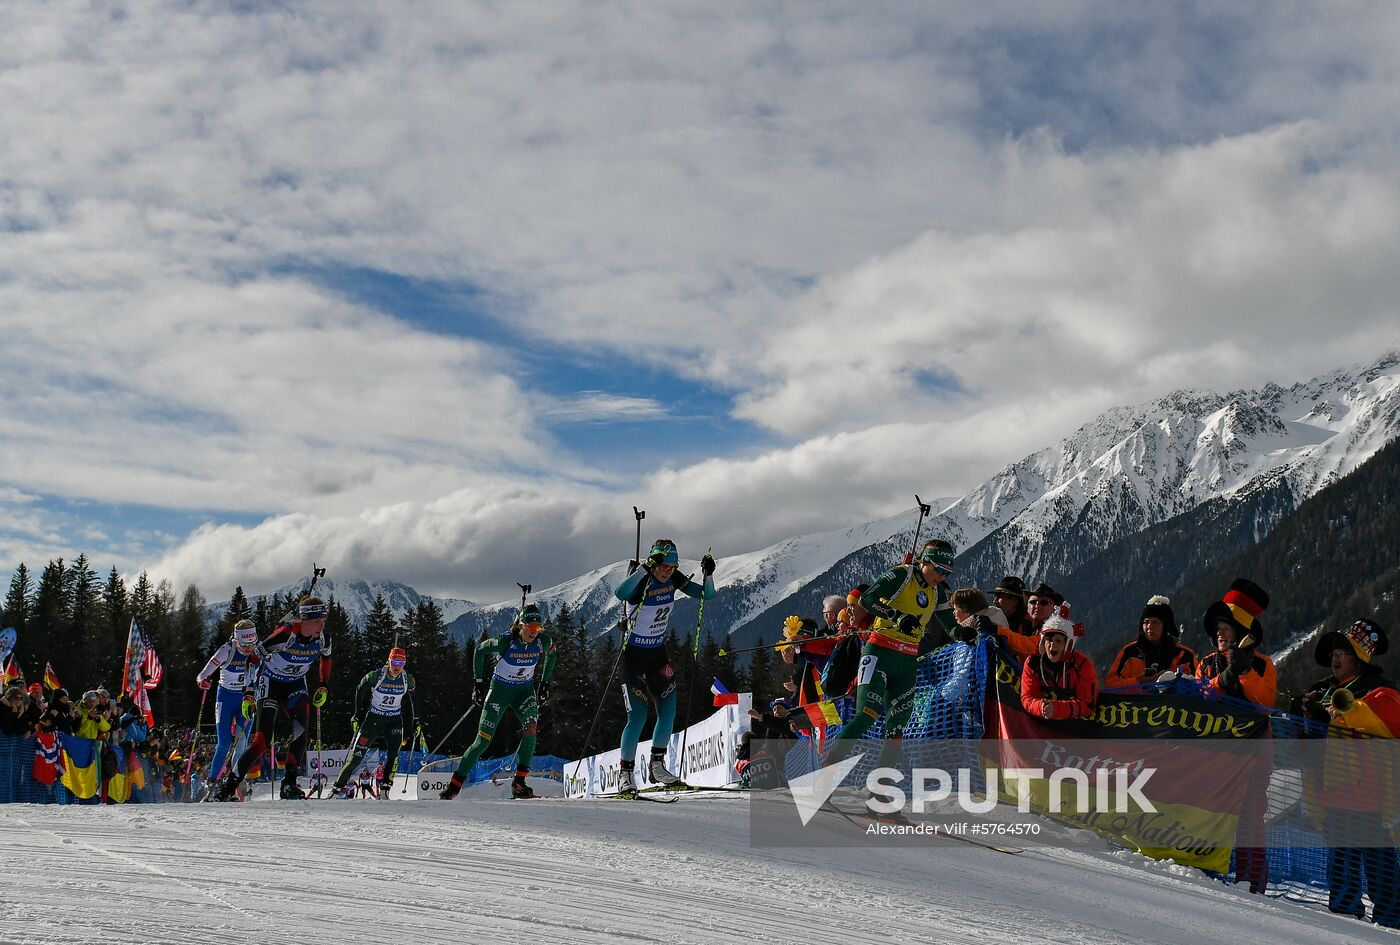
441	297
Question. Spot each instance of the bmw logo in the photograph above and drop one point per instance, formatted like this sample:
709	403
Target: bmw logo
922	599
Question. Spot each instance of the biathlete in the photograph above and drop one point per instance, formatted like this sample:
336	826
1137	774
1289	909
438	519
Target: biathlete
648	678
525	657
287	657
905	600
235	660
384	710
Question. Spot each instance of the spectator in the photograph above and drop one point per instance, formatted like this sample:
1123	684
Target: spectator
839	676
89	720
1354	791
1042	603
1010	595
1349	655
1059	682
1236	667
1154	652
60	714
974	617
14	713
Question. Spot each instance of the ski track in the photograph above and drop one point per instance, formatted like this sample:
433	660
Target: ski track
579	872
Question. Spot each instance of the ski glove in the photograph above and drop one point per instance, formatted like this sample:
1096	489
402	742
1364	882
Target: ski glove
542	693
656	559
707	565
909	624
319	699
205	683
479	690
250	706
1228	679
632	567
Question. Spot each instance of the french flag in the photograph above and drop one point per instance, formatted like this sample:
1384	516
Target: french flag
722	694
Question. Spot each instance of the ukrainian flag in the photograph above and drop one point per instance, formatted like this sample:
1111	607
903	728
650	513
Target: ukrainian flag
80	763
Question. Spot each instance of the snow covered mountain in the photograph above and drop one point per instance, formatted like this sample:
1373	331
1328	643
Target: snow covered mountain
1126	470
357	597
1135	467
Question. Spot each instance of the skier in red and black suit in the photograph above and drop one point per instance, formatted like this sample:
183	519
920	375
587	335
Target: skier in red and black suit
287	656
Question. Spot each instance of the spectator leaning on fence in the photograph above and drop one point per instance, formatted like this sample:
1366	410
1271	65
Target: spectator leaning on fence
1154	652
1010	595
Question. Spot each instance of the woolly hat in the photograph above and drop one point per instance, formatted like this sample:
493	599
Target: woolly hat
1160	606
397	655
1060	622
1366	637
530	613
1011	585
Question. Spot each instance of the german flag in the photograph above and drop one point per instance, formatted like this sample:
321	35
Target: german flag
12	673
51	682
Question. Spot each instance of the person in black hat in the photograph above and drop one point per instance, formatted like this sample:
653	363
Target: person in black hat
1010	595
1154	652
1348	654
1237	667
1042	603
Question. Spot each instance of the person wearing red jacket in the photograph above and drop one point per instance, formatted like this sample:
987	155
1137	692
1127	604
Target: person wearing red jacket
1059	682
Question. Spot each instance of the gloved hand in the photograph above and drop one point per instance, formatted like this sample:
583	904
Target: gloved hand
250	706
909	623
479	689
318	698
655	559
1241	660
354	726
1228	678
542	692
205	683
632	567
707	565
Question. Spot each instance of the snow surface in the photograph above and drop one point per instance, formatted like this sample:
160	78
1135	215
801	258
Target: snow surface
596	871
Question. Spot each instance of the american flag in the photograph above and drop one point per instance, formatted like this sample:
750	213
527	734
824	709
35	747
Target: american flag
141	670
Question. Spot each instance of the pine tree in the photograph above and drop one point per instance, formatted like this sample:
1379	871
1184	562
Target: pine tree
381	630
347	650
15	611
49	618
761	671
86	654
115	621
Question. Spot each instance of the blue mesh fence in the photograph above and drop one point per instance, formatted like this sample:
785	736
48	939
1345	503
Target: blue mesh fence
17	783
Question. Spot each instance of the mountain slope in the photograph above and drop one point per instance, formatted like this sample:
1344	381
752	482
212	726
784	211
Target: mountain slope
357	597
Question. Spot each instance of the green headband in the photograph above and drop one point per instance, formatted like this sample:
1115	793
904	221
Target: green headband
943	557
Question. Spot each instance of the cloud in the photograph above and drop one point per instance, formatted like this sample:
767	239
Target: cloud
909	245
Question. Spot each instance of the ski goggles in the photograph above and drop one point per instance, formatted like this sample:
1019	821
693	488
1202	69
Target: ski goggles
398	664
536	627
313	611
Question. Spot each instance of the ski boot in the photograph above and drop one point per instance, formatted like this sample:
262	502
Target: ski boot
660	775
521	791
454	786
224	790
291	791
626	783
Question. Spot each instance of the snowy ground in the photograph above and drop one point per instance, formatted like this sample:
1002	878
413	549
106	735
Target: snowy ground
494	870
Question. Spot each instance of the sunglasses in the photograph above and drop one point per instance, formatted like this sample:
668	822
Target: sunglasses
1039	602
537	627
397	664
941	570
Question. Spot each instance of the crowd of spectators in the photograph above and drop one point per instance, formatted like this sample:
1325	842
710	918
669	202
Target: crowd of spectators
113	723
1036	629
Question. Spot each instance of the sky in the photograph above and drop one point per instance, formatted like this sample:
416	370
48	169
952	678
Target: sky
439	297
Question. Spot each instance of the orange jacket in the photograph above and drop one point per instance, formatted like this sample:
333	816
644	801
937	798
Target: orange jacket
1022	646
1072	683
1259	685
1131	664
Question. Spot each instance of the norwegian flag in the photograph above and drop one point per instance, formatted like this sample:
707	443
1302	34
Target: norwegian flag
141	670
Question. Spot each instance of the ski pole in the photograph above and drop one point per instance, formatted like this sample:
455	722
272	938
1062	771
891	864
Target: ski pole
690	689
924	509
318	739
194	737
784	643
443	740
413	750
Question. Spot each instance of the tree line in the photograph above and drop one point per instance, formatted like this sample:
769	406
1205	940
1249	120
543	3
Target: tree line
73	619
